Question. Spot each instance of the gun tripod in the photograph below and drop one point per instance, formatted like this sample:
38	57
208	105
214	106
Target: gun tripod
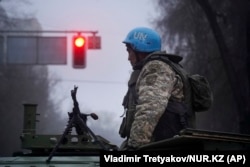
77	120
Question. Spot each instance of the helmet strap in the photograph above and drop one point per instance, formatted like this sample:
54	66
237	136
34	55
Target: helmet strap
137	57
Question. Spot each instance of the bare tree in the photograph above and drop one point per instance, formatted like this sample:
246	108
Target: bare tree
212	38
20	84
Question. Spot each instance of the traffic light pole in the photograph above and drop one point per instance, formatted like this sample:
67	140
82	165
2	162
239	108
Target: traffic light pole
93	41
50	31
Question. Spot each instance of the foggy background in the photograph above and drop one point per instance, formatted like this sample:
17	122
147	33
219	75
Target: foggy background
212	36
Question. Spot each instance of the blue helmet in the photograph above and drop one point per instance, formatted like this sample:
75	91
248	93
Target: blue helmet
143	39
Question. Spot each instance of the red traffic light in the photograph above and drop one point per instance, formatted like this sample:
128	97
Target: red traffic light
79	52
79	41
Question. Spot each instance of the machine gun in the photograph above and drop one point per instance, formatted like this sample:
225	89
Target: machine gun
78	121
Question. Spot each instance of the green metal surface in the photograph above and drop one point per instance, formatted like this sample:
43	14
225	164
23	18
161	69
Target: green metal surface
29	123
79	142
192	139
58	161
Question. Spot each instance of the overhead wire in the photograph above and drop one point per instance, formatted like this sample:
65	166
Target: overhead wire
66	80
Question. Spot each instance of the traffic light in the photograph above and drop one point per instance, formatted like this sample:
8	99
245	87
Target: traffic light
79	52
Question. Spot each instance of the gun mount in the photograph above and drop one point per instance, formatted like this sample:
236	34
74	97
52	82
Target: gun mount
85	142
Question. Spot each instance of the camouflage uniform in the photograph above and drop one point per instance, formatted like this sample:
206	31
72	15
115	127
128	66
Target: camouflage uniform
155	105
156	83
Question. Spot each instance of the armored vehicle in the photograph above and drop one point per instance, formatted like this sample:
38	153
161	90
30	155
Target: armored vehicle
80	149
83	148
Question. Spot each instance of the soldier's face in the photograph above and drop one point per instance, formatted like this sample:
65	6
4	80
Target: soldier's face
131	56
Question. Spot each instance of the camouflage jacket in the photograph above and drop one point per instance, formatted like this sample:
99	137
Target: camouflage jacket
156	83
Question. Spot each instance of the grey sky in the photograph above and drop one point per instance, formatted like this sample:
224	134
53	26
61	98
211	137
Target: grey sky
109	66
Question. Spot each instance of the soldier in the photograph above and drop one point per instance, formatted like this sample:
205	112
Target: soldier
154	103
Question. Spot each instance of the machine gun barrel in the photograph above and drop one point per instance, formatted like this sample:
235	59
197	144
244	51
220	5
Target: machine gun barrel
76	105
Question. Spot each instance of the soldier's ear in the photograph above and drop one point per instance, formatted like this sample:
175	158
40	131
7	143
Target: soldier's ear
142	55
